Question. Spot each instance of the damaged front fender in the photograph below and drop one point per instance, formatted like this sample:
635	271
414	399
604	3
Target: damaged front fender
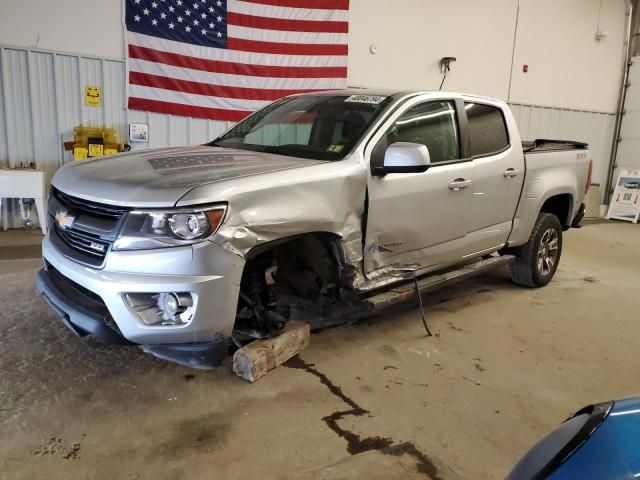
327	197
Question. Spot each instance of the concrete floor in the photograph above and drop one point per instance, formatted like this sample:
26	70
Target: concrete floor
375	400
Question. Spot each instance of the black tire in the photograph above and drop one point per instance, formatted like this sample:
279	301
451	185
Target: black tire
533	267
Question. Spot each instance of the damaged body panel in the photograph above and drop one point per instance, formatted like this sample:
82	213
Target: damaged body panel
306	208
325	198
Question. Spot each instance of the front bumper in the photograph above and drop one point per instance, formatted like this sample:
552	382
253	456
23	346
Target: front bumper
90	301
82	313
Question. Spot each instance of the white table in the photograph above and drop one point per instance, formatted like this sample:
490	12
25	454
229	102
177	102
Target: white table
23	184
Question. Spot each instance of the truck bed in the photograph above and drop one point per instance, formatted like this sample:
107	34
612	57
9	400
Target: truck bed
546	145
551	167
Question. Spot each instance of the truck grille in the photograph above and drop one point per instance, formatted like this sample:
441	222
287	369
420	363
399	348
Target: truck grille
90	235
99	209
84	243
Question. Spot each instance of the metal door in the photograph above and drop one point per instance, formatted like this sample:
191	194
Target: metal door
418	220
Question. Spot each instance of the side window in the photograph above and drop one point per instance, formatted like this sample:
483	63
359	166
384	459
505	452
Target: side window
487	129
432	124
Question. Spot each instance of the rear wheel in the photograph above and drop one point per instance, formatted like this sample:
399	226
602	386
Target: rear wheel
537	261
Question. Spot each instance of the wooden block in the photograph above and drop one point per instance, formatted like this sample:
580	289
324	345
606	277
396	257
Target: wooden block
255	359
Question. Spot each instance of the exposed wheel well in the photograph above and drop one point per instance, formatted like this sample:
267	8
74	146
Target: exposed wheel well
323	237
319	252
309	267
560	206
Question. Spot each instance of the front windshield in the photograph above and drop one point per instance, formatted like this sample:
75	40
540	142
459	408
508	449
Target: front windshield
321	127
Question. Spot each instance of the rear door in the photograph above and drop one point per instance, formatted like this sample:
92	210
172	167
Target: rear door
498	175
419	219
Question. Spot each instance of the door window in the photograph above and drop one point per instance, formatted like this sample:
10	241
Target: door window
432	124
487	129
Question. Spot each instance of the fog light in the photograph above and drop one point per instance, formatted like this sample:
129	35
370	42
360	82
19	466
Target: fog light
166	309
171	305
174	304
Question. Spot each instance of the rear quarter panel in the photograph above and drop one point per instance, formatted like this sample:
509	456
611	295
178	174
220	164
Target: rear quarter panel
549	174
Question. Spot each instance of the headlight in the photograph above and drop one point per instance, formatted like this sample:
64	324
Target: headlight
147	229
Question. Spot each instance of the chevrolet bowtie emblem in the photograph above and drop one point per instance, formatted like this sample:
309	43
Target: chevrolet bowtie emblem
64	220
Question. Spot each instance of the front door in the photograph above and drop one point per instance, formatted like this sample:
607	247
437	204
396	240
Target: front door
418	220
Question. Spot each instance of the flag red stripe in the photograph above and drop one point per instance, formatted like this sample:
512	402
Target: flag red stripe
320	4
186	110
216	66
266	23
287	48
198	88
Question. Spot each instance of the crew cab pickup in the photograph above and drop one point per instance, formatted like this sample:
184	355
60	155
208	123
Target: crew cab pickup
314	202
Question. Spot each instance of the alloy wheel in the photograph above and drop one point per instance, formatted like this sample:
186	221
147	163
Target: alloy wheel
548	251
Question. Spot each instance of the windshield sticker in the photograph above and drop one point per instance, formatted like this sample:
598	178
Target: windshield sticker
335	148
372	99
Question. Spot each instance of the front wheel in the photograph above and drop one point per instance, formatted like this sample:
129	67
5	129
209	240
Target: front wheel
537	261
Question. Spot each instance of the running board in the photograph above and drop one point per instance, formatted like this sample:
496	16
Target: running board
407	292
404	293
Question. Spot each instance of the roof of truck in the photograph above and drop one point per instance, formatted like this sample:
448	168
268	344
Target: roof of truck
396	93
381	92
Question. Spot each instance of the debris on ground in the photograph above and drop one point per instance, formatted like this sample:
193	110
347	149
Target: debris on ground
254	360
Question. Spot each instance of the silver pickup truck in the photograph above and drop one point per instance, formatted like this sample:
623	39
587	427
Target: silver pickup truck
317	201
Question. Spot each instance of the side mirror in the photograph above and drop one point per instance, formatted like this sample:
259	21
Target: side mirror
405	157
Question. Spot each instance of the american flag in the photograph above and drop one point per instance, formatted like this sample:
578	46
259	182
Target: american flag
223	59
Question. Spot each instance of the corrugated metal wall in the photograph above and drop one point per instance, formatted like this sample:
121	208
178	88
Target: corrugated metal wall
628	157
593	128
41	101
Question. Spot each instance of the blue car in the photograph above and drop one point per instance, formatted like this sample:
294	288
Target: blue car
600	442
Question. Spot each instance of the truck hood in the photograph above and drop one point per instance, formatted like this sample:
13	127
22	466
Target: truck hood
159	178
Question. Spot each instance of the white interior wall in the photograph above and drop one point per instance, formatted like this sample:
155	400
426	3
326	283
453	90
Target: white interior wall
568	68
89	27
411	36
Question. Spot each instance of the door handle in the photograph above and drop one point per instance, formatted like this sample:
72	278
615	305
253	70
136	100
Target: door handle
511	172
459	184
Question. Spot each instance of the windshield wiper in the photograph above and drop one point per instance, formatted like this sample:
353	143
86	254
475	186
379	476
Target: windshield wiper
298	153
288	152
